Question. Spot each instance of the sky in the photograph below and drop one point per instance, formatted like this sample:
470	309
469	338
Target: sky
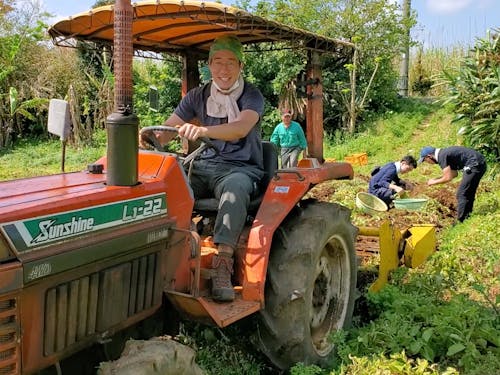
441	23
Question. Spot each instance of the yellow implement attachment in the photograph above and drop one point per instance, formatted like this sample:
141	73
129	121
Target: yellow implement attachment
420	244
411	246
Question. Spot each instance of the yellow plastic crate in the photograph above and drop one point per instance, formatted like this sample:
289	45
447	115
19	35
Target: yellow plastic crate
357	159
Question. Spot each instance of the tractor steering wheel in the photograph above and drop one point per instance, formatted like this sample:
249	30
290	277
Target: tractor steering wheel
148	136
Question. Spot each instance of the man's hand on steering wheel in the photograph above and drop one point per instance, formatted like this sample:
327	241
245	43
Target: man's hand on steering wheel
193	132
152	135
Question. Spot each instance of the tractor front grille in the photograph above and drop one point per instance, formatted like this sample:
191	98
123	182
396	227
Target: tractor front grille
99	301
9	337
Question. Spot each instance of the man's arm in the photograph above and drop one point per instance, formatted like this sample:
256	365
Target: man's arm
396	188
275	138
448	175
385	177
174	120
302	136
227	132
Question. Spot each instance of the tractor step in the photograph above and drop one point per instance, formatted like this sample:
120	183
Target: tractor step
205	309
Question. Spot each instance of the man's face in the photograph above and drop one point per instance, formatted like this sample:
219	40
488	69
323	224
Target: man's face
405	168
225	69
429	159
287	119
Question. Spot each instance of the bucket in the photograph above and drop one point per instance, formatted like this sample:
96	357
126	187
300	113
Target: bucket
370	203
410	203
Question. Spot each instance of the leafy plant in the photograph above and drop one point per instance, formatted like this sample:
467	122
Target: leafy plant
21	29
302	369
221	352
475	95
165	76
398	363
422	83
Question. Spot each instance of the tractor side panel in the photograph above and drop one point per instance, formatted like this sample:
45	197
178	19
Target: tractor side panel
83	260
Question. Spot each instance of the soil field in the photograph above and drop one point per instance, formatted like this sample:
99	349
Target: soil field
440	211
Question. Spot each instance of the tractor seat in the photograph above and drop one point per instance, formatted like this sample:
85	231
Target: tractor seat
270	156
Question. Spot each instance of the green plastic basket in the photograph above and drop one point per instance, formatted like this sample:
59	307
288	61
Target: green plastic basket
410	203
370	203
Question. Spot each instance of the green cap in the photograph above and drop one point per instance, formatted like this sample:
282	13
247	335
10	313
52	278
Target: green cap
228	43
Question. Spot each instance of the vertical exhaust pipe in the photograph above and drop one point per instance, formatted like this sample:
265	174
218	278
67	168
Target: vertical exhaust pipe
122	125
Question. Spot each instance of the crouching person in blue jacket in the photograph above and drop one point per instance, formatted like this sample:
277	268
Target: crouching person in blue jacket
385	182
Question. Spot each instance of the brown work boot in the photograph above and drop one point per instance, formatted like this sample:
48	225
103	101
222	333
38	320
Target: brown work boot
222	289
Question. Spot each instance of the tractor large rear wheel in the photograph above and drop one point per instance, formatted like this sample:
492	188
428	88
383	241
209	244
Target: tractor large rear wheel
310	286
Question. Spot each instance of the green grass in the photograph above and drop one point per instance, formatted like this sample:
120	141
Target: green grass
43	157
383	135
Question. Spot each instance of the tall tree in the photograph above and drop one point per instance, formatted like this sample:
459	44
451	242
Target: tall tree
377	28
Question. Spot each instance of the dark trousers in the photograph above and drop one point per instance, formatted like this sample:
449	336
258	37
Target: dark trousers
383	193
466	192
233	187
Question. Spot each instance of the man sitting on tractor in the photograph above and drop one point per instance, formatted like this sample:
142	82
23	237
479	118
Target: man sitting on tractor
229	111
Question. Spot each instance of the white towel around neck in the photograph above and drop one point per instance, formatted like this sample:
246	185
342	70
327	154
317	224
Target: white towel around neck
222	103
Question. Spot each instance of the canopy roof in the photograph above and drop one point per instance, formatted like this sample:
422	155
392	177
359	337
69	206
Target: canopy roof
180	26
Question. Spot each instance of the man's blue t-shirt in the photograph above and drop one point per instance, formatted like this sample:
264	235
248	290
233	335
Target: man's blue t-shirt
458	157
240	152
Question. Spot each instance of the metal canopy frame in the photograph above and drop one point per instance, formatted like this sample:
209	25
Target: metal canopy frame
178	27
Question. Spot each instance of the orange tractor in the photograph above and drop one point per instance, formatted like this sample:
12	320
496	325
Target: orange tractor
84	255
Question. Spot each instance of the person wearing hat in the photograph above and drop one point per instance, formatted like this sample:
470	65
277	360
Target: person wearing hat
451	160
228	111
385	182
289	136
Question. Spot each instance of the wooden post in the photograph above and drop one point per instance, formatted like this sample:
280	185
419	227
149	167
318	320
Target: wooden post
190	79
314	115
190	74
